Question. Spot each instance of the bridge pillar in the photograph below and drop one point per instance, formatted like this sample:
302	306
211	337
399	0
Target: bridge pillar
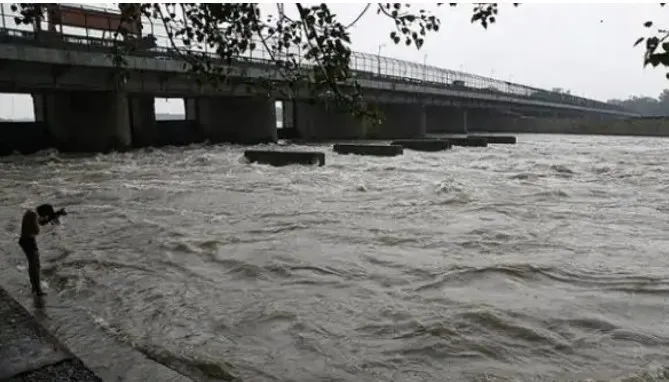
319	121
288	114
85	121
244	120
142	111
450	120
492	121
400	121
190	106
39	107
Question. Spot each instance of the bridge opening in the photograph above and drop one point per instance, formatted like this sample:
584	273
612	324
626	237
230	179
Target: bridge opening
279	114
22	131
285	123
170	109
16	107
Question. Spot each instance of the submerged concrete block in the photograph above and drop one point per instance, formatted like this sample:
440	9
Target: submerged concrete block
375	150
497	139
284	158
469	142
424	144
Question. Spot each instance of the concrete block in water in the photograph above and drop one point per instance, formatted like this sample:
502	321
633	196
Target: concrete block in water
469	142
423	144
284	158
497	139
375	150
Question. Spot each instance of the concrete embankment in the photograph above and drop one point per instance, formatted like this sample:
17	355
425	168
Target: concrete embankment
655	127
29	353
61	324
28	137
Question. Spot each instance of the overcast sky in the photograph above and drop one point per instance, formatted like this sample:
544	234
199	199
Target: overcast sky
586	48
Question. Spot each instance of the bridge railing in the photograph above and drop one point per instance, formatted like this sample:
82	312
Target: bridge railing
369	65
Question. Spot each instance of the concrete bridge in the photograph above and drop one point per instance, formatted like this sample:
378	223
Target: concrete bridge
81	104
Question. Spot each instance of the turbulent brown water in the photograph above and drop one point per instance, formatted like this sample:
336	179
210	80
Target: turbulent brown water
547	260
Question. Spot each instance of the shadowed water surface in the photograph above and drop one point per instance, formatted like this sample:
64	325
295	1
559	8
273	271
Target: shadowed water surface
541	261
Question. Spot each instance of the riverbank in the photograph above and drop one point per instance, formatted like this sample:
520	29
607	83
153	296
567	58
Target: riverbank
29	353
62	318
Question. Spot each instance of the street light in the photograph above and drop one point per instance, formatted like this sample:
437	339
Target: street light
378	59
2	11
425	67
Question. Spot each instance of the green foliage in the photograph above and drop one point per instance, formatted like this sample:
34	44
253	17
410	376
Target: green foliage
657	46
310	51
646	106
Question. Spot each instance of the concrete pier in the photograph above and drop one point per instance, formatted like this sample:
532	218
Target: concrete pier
469	142
285	158
245	120
496	139
143	121
23	137
373	150
85	121
424	144
401	121
316	121
452	120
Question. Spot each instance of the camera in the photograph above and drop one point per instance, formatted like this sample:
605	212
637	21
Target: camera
58	214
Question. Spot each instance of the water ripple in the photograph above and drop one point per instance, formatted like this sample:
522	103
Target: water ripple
542	261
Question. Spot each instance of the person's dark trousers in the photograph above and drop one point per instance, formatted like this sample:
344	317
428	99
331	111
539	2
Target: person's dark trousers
29	246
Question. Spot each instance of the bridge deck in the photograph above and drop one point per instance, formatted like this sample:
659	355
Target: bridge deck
59	49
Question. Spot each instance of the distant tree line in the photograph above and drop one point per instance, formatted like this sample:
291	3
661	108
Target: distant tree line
647	106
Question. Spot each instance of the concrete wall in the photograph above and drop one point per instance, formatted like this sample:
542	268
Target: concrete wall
23	137
143	121
246	120
86	121
447	120
30	137
400	121
94	122
317	121
176	133
641	127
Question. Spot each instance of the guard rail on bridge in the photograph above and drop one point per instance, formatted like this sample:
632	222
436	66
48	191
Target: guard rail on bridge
363	64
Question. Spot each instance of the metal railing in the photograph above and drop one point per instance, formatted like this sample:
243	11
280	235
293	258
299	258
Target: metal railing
368	65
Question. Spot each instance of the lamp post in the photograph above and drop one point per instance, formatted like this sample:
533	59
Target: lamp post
2	11
378	59
425	67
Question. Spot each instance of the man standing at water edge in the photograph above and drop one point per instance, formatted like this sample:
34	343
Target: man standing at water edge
29	230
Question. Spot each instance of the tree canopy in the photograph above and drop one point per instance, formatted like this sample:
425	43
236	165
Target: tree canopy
646	106
656	45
